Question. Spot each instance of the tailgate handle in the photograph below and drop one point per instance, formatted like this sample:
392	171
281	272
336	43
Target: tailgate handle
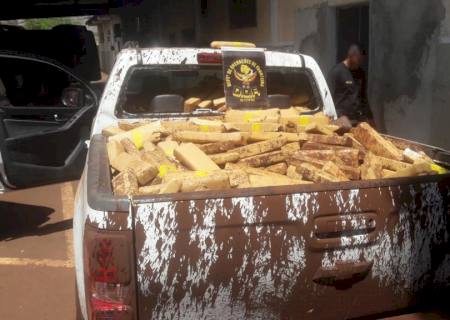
330	227
343	274
343	230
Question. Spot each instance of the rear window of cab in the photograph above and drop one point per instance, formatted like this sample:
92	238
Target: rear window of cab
162	90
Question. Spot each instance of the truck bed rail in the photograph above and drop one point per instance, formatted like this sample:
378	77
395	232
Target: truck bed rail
100	195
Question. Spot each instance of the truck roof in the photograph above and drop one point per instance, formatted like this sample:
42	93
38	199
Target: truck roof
189	56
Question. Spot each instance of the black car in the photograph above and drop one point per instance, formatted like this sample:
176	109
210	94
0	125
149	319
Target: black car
46	111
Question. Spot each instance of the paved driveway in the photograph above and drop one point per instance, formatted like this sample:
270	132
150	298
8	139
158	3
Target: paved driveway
37	279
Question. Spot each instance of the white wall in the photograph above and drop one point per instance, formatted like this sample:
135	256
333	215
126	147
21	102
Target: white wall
409	78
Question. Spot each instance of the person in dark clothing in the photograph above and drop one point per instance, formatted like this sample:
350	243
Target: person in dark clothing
347	83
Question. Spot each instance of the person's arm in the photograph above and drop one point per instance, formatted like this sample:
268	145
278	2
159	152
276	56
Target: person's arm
331	79
365	107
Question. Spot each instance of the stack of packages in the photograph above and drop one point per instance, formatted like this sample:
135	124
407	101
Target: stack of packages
246	149
194	103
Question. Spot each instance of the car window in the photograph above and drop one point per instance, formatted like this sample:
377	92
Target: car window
32	83
145	87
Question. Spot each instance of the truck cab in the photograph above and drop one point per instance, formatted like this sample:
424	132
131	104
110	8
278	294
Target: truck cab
306	251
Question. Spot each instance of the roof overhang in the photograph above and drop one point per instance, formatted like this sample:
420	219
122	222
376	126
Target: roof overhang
25	9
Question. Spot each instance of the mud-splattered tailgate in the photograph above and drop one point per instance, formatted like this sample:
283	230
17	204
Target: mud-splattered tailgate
325	254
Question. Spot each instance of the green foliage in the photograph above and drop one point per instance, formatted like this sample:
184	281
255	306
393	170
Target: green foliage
46	23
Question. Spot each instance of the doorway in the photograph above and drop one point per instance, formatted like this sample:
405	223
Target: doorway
353	27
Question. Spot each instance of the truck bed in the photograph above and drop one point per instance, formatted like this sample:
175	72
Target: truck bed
335	250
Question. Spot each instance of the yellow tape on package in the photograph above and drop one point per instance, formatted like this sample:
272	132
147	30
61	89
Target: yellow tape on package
136	136
304	120
256	127
249	115
201	173
165	169
438	169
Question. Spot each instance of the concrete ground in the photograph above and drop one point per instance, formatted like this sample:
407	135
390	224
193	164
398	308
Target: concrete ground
37	279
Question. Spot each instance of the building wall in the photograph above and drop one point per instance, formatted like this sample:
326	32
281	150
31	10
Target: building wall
440	135
409	78
172	21
310	27
108	43
177	18
215	25
409	82
289	11
315	34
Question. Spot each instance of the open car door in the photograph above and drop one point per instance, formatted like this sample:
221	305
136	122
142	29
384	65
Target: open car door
45	118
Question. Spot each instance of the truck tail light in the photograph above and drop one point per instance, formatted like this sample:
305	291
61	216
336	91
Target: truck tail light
209	58
108	302
110	288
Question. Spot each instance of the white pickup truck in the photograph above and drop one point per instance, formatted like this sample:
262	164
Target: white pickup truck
320	251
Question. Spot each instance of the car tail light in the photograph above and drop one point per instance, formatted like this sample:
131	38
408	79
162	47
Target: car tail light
209	57
109	276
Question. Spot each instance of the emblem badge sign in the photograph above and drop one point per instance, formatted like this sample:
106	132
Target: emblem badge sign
244	73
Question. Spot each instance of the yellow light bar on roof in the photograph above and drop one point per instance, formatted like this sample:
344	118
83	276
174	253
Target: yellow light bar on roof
220	44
